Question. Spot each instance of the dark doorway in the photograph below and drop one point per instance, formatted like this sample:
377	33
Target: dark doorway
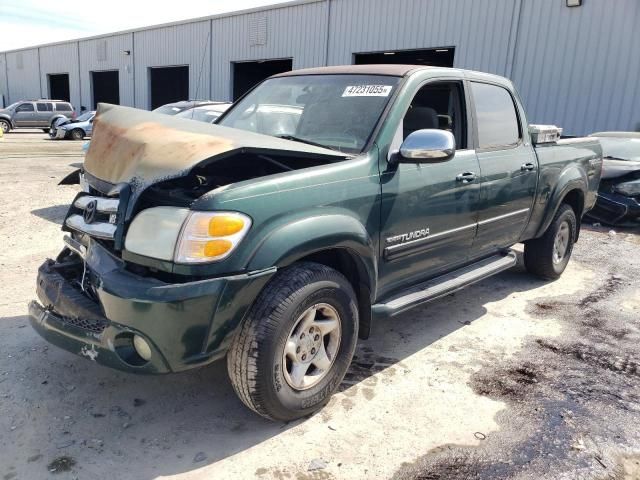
59	87
105	87
168	85
436	57
248	74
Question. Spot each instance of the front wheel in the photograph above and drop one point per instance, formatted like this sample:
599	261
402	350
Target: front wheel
77	134
549	255
295	345
5	126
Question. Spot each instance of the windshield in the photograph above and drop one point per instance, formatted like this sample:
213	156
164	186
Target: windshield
620	148
13	105
85	117
169	109
204	114
336	111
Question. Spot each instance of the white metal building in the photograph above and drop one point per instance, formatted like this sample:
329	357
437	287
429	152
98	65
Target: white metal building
575	66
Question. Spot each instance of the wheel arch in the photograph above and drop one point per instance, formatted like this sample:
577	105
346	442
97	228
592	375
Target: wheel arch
570	190
337	241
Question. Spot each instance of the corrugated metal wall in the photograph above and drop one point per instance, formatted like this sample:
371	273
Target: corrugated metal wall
580	67
186	44
298	32
575	67
108	53
60	59
4	93
23	72
478	29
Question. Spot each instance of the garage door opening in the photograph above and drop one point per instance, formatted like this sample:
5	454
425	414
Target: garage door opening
246	75
105	87
168	85
435	57
59	87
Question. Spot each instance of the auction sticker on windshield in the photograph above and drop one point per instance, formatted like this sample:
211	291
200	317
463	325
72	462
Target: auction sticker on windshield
367	91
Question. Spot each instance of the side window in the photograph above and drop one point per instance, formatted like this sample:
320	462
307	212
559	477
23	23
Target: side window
25	107
438	105
496	116
63	107
44	107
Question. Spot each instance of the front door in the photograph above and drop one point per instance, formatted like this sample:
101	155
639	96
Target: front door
428	214
509	169
25	115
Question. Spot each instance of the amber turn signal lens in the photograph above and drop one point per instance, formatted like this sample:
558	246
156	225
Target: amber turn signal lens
215	248
223	226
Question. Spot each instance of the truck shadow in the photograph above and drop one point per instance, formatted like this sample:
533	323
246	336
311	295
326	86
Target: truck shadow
55	213
148	426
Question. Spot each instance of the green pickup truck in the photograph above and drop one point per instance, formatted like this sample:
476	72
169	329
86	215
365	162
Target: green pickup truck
324	199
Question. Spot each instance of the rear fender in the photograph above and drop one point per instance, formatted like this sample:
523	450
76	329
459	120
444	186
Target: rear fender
572	178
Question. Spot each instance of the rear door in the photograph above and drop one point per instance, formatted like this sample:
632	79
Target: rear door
428	216
508	166
44	110
25	115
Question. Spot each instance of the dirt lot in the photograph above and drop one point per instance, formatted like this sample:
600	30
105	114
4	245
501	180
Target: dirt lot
511	378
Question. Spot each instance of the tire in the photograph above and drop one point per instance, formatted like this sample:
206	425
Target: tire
45	130
77	134
546	258
5	126
261	360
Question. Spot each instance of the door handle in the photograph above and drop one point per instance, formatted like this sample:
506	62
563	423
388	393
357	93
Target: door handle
527	167
466	177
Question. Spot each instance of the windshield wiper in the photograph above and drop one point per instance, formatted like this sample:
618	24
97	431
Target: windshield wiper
302	140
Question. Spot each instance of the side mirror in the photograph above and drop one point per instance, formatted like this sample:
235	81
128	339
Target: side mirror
427	146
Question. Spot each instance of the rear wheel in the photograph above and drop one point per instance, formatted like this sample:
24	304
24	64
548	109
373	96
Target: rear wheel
549	255
45	130
77	134
5	126
296	344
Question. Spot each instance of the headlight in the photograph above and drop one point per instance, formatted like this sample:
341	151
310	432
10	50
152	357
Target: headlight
211	236
629	189
184	236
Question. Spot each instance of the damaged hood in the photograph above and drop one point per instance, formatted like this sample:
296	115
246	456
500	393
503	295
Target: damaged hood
142	148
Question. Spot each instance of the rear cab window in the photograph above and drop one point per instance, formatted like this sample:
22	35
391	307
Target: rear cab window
496	117
63	107
44	107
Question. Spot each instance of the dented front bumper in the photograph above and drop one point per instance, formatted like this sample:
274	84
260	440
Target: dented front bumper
185	324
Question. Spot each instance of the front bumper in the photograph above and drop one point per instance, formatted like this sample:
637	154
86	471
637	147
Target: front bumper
185	324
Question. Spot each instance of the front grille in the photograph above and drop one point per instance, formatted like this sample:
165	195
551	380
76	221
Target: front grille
93	215
94	326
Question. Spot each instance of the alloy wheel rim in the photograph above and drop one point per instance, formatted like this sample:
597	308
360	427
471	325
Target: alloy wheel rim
311	347
561	243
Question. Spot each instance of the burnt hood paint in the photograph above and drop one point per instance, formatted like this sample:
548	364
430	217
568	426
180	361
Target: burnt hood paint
141	148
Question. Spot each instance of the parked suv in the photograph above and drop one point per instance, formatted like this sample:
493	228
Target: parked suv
34	114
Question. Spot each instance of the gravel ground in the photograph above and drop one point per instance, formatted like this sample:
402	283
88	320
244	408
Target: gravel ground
511	378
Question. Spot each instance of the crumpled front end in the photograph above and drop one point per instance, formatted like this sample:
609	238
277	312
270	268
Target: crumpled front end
95	307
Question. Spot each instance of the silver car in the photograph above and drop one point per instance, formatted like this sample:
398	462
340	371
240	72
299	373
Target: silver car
74	129
34	114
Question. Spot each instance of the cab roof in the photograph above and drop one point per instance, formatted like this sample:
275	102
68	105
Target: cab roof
393	70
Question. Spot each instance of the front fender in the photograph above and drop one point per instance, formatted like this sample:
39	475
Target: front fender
310	235
572	178
8	119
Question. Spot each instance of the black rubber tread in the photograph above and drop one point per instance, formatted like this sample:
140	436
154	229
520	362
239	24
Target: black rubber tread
257	331
3	121
74	134
538	253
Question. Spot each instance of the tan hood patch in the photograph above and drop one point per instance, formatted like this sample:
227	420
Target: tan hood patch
141	148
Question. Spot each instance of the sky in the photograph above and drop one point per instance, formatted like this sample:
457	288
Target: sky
25	23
